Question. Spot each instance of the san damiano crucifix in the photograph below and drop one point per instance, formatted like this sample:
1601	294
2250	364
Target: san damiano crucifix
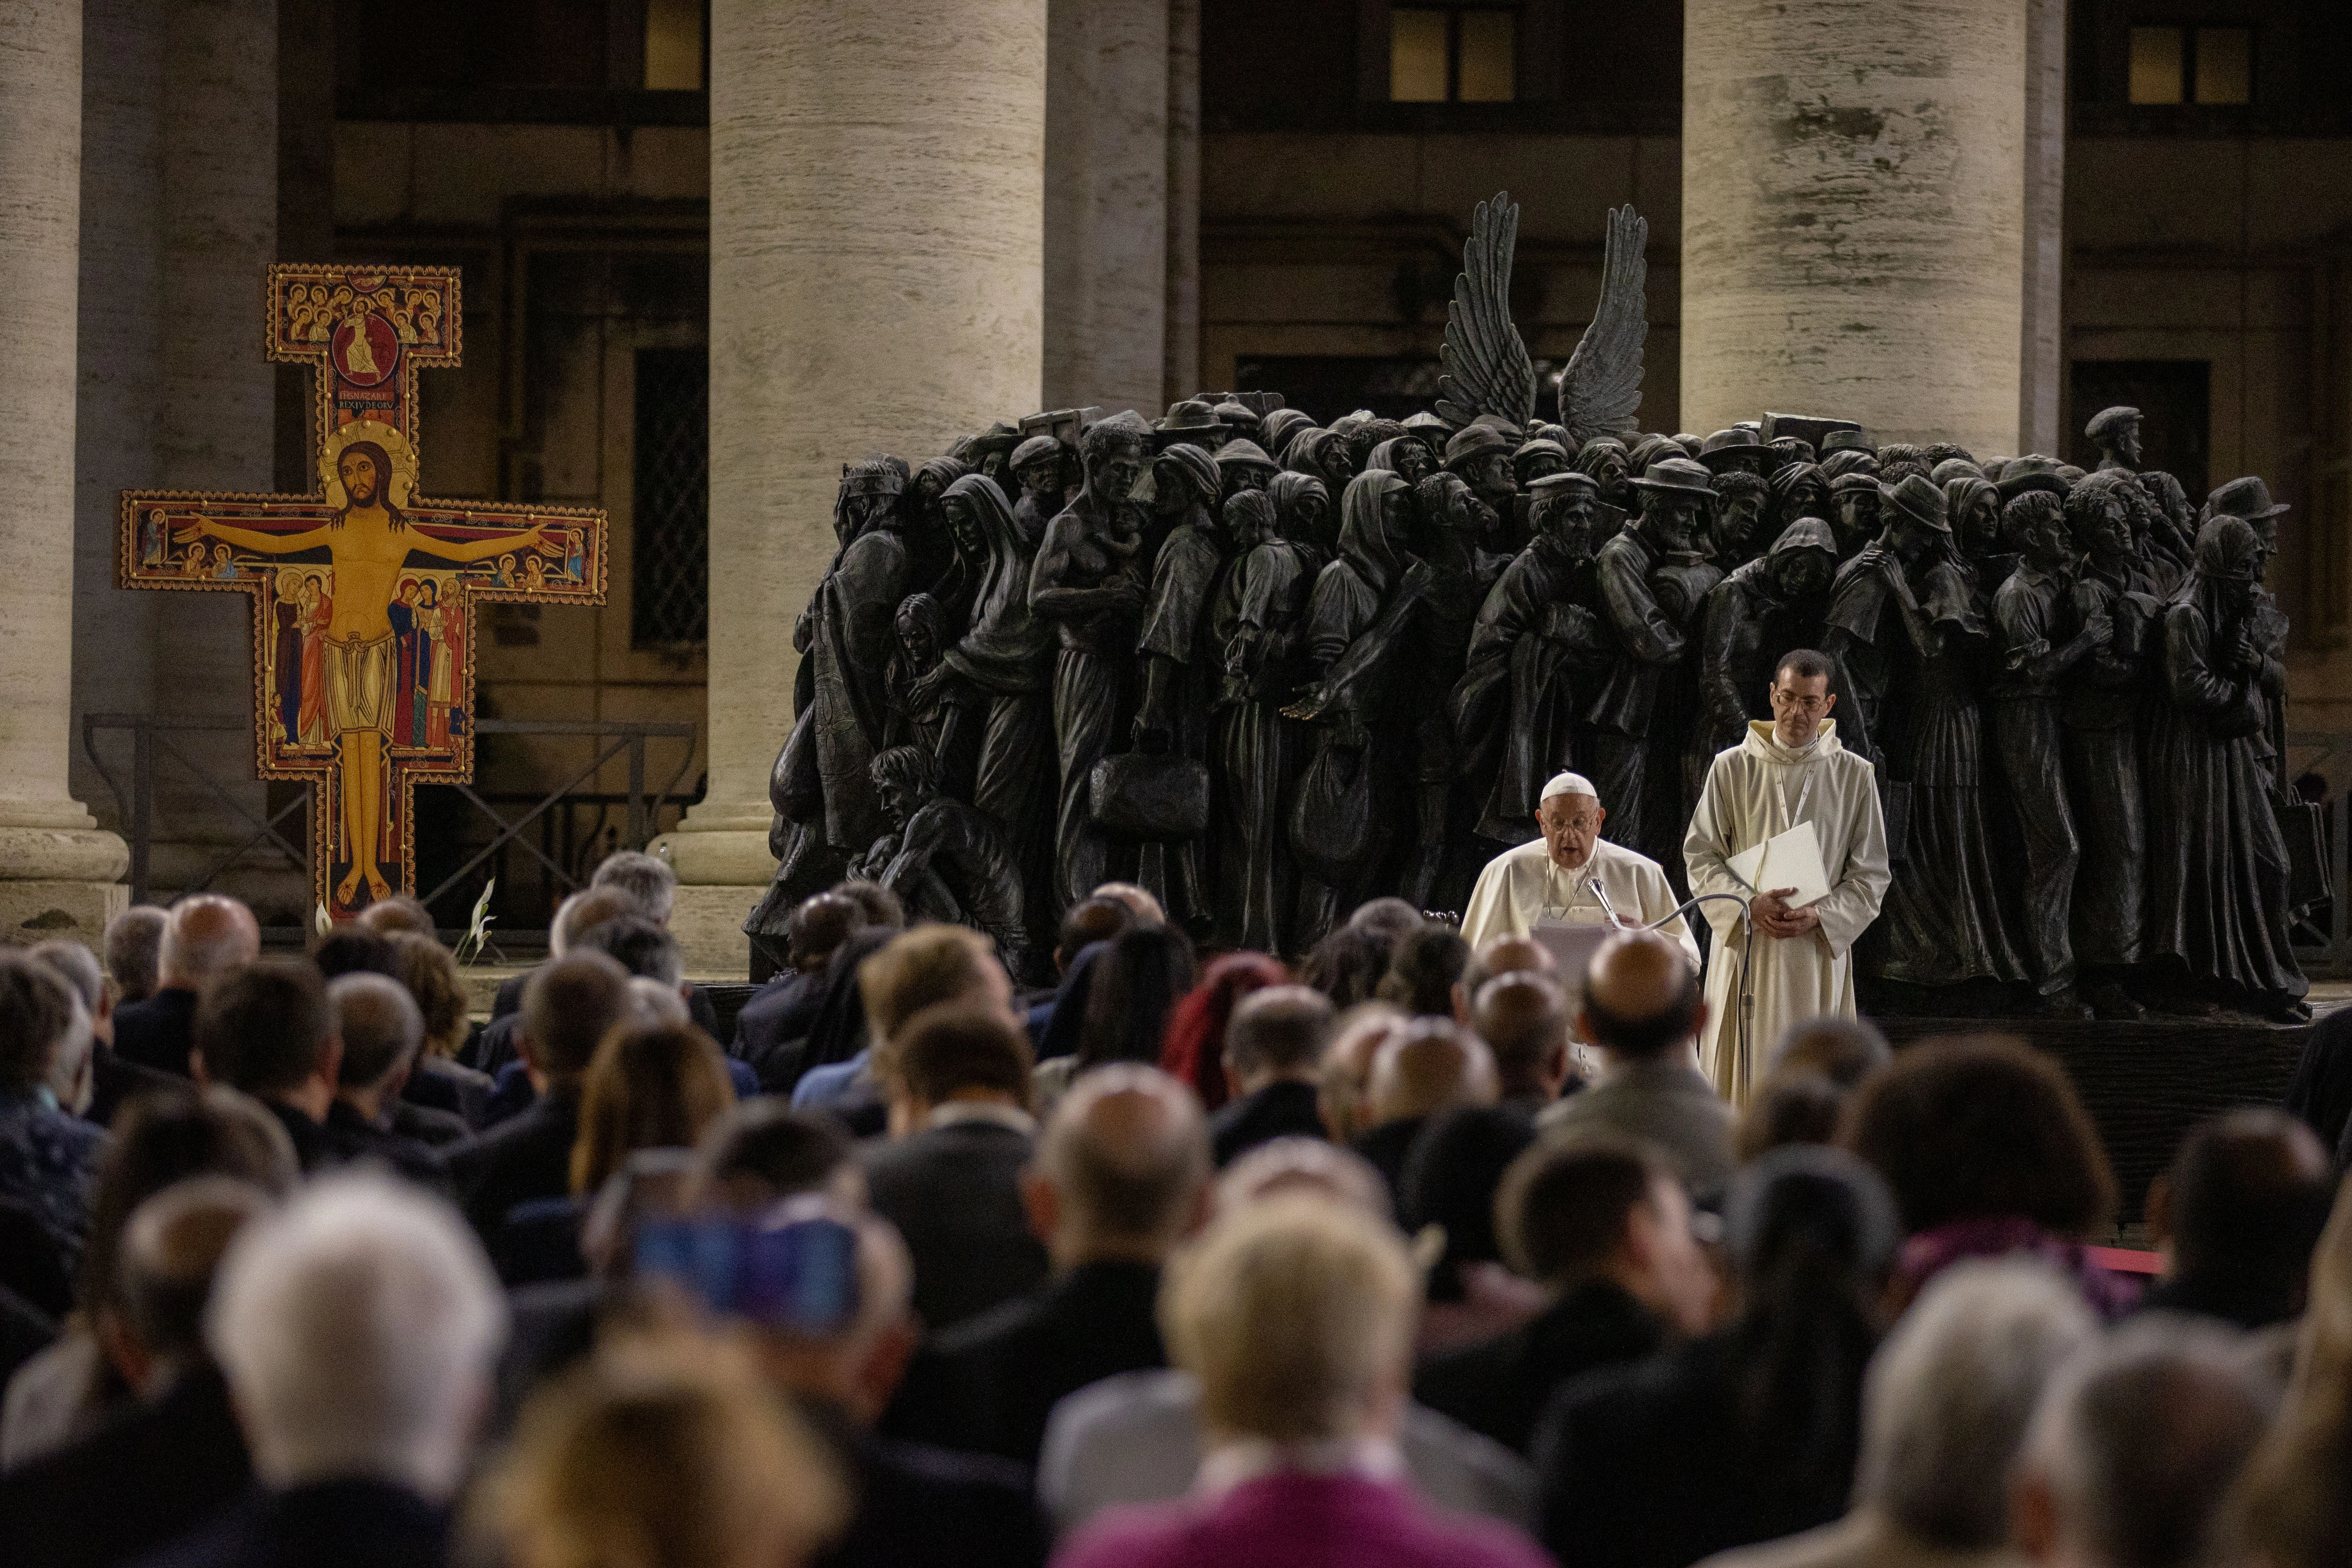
364	592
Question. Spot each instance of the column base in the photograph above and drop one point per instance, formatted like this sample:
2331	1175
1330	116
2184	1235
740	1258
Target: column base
33	911
724	871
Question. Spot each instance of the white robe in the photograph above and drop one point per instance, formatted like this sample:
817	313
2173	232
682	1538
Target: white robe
1752	794
1521	886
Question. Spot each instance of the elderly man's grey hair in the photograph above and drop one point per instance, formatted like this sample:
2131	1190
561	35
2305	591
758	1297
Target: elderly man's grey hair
646	879
2136	1442
208	934
380	1026
357	1327
1950	1392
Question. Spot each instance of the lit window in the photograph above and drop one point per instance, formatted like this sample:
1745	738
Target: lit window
2156	58
674	44
1452	54
2225	64
2192	64
1417	56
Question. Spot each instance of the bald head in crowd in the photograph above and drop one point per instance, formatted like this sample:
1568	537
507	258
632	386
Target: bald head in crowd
1122	1170
1430	1066
1498	955
381	1032
1523	1019
208	935
1343	1095
1641	997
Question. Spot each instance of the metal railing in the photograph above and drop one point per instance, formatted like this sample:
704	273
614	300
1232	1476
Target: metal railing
2323	935
153	741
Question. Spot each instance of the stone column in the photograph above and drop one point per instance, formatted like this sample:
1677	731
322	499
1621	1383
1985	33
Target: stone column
876	229
1854	214
57	871
1106	173
2042	370
1184	325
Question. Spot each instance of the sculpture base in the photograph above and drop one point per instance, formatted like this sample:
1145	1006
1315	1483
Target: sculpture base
33	911
2146	1084
707	921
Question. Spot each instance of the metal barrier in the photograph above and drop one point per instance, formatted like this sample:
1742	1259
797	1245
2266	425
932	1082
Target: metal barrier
152	739
2323	935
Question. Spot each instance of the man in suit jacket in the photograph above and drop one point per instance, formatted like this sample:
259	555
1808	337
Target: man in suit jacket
958	1078
112	1079
783	1009
1274	1057
359	1413
914	1506
268	1030
174	1458
1121	1179
1642	1008
208	935
1602	1221
567	1007
381	1031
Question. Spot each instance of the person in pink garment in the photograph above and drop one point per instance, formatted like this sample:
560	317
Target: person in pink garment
1295	1316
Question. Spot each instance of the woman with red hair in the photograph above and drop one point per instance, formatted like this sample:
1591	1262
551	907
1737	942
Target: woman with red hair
1195	1048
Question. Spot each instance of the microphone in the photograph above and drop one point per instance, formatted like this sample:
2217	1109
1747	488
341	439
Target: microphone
1606	906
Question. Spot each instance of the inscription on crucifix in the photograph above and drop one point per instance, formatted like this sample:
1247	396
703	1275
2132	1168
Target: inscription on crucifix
364	592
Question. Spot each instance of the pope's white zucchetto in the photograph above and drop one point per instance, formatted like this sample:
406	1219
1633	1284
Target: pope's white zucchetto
1567	783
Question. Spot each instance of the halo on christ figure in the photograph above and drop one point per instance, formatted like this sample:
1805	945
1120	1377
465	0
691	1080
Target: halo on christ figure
402	487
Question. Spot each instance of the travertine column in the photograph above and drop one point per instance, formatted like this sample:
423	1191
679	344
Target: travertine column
2042	370
57	871
1854	214
876	198
1107	169
1183	324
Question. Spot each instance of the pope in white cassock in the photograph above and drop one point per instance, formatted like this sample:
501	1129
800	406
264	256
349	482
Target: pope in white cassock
1800	961
1551	877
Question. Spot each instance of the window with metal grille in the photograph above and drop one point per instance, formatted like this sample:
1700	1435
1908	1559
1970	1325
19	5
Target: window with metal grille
671	582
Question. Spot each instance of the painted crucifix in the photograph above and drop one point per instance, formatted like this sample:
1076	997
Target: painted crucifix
364	592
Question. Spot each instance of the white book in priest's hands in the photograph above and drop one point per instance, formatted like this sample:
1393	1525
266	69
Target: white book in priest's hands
1794	859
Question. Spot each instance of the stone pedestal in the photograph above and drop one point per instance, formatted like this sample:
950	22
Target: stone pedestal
58	873
876	257
1856	216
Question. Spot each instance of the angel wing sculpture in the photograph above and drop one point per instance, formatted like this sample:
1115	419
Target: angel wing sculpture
1601	387
1486	367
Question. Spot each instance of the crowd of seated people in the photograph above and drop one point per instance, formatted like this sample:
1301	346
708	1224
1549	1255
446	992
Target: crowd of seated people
1414	1256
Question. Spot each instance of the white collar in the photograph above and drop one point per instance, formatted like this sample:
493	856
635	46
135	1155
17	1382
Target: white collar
956	1112
1246	1460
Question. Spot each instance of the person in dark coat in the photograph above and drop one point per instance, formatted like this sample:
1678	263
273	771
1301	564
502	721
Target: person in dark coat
173	1458
1751	1433
1274	1054
2238	1216
567	1007
913	1505
208	935
357	1389
951	1180
1603	1224
786	1008
1122	1178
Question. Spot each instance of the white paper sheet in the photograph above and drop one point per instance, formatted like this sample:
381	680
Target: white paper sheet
1792	860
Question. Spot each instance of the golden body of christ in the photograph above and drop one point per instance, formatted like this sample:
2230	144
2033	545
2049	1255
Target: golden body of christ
375	694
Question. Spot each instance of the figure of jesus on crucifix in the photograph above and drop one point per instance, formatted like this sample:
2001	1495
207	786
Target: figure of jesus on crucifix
380	696
368	542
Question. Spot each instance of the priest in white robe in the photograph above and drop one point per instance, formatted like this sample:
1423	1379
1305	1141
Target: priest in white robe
1551	877
1796	963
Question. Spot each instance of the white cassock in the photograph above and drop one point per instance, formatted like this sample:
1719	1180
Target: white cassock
1755	791
1521	886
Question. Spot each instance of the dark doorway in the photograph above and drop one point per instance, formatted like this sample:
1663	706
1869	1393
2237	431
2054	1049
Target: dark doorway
2174	397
